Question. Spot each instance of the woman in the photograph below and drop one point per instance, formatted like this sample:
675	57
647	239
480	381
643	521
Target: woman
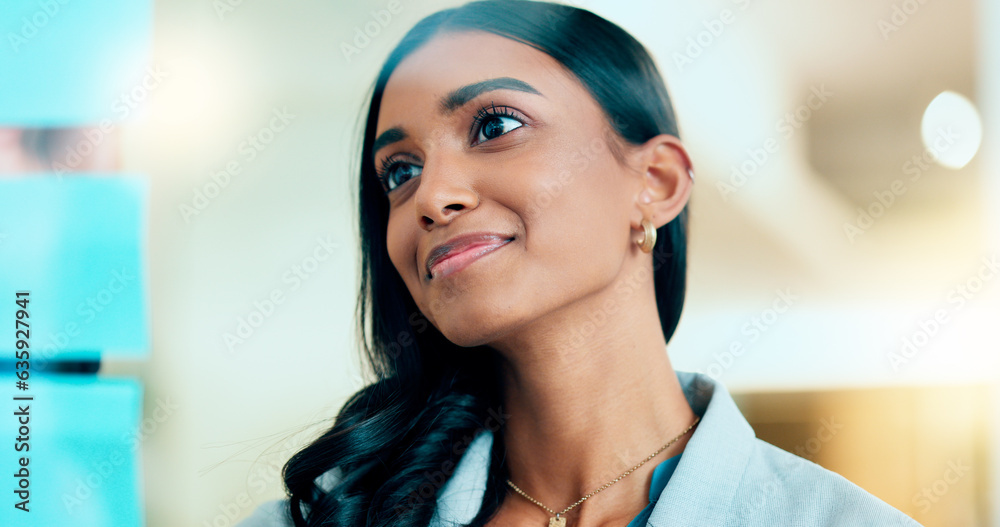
523	202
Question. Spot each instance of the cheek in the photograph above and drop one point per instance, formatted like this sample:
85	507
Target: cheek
577	199
401	245
575	209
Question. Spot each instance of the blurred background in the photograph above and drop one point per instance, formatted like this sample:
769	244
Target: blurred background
177	193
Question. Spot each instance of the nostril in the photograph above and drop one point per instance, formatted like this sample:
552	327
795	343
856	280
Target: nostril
447	212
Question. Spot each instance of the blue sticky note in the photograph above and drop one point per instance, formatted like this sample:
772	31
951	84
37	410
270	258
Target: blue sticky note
82	440
77	244
69	63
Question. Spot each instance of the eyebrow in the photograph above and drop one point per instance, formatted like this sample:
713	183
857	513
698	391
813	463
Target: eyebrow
456	100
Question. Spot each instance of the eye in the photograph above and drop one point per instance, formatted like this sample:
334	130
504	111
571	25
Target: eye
493	122
490	121
394	173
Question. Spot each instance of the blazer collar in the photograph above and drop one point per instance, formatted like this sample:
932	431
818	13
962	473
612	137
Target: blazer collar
706	478
702	486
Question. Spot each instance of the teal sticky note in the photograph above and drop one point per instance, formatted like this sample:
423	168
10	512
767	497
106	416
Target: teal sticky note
82	440
66	63
77	244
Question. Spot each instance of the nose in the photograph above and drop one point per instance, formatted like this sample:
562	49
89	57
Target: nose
442	196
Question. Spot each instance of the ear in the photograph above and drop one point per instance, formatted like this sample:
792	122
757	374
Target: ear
667	178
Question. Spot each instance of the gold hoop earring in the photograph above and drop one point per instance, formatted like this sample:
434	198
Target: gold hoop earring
648	236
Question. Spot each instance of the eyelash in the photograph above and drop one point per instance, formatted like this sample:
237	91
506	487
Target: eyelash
484	112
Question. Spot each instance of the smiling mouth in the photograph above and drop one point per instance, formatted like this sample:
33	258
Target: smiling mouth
458	260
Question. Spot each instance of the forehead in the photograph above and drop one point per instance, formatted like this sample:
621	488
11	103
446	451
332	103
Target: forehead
452	60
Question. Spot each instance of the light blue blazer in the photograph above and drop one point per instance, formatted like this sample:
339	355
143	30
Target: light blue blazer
725	477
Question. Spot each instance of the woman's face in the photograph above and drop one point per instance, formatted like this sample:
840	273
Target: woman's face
495	139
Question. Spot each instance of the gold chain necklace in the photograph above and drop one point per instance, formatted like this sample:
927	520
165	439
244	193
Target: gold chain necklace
559	521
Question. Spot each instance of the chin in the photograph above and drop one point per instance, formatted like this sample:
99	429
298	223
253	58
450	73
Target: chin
470	331
466	337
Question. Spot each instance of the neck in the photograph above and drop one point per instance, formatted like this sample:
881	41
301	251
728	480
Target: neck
587	402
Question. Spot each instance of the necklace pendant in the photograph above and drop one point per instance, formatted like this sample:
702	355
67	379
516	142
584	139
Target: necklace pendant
556	521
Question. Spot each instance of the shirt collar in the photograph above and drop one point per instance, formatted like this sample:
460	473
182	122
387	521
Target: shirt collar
702	486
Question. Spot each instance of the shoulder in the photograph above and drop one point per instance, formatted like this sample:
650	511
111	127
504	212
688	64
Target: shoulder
272	513
795	491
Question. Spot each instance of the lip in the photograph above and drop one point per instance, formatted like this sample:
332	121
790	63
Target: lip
457	253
